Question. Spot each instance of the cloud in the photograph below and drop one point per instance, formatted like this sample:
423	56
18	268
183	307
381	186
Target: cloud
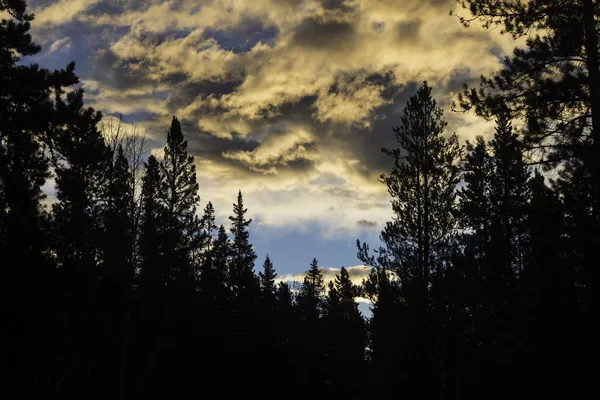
63	44
363	223
290	101
357	274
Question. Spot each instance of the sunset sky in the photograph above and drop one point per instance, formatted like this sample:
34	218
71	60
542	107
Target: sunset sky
290	101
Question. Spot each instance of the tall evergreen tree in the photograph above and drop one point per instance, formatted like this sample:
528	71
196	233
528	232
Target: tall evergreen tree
346	332
311	350
116	274
422	185
179	195
475	202
267	280
548	295
241	270
509	190
27	114
419	237
82	159
553	85
245	292
152	273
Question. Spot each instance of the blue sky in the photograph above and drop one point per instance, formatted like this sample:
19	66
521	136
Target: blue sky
288	101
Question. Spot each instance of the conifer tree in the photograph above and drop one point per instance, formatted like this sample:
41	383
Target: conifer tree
310	346
80	179
475	202
509	190
82	159
27	295
208	228
152	271
241	270
422	185
117	272
553	86
419	238
245	292
179	196
346	333
388	340
267	280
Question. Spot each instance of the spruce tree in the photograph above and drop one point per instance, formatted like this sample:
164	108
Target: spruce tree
422	185
179	196
267	280
152	271
82	159
311	351
245	292
241	270
419	238
117	271
346	333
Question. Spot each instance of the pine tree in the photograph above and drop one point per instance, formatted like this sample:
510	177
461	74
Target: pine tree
179	197
221	256
80	180
218	340
557	70
422	185
388	340
208	228
82	159
152	271
553	86
241	270
346	333
509	190
267	280
475	202
117	272
310	347
245	292
419	238
548	297
27	115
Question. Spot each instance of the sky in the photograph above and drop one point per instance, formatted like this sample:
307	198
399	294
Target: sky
289	101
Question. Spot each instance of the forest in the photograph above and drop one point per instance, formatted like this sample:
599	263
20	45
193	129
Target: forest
486	284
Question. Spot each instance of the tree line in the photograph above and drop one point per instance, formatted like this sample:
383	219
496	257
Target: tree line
486	284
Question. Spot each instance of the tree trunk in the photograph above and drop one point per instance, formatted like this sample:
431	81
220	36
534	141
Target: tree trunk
592	64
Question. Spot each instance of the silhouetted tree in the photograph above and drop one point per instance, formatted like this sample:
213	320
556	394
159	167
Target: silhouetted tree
553	86
27	114
179	195
310	344
245	291
117	272
419	237
346	336
82	159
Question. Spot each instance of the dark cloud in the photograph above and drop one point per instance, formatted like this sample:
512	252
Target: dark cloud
114	72
244	36
315	34
363	223
185	93
106	7
365	144
335	5
408	30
